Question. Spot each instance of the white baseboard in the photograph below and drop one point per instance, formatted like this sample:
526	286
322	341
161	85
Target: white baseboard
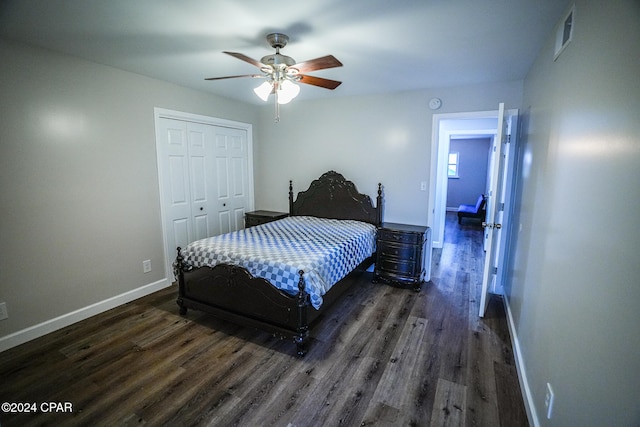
522	373
65	320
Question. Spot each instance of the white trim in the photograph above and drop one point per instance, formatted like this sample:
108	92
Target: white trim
196	118
439	148
52	325
527	396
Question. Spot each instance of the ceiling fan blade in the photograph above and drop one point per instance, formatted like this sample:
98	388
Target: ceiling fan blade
245	58
319	81
322	63
235	77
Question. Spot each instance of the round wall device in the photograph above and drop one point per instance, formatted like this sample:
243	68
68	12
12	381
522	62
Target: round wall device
435	103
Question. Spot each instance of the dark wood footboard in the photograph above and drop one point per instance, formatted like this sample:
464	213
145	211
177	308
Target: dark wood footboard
232	293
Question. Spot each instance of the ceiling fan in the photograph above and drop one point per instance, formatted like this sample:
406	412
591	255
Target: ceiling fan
282	72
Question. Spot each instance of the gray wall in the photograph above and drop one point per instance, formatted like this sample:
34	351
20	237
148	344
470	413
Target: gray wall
472	171
381	138
79	195
573	289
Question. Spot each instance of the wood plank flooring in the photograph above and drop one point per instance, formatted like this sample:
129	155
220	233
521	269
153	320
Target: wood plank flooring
382	356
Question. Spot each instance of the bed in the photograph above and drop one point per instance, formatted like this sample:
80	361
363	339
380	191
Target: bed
241	277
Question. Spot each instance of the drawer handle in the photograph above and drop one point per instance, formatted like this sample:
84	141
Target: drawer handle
391	252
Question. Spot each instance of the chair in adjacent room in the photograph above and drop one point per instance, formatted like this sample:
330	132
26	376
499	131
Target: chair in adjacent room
477	211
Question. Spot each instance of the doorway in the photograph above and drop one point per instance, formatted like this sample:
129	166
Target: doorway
482	124
445	127
469	164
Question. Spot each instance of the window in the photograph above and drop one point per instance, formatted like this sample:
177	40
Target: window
452	168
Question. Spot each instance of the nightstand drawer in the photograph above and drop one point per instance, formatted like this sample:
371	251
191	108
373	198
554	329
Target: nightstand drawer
392	236
405	269
250	221
405	252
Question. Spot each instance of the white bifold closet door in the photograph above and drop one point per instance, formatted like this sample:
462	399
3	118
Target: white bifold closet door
203	171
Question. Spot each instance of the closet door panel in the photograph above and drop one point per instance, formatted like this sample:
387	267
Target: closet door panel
175	182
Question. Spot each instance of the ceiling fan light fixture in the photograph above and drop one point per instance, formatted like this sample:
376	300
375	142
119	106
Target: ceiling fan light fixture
282	72
287	90
264	90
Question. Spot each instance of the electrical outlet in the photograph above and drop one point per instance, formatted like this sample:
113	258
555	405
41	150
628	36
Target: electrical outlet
146	266
3	311
548	400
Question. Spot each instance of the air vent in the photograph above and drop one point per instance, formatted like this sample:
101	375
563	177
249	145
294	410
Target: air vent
564	33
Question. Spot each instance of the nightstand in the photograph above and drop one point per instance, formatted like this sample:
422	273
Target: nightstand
262	217
400	254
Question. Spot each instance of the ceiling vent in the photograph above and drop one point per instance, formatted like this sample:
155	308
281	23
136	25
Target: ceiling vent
564	33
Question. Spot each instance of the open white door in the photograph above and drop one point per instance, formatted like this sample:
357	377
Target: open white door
493	223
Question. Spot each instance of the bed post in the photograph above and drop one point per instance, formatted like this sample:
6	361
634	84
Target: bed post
379	204
179	273
303	327
290	197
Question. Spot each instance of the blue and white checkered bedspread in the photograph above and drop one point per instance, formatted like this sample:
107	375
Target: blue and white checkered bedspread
325	249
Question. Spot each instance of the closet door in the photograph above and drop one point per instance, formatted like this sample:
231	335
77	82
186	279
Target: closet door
232	178
187	171
201	156
204	174
173	165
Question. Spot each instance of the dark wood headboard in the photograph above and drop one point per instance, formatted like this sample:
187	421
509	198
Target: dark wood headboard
332	196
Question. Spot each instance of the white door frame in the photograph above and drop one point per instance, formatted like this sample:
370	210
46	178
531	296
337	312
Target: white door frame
438	188
439	151
495	214
159	113
508	195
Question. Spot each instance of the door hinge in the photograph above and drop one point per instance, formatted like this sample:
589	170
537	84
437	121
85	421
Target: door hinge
495	270
501	207
507	140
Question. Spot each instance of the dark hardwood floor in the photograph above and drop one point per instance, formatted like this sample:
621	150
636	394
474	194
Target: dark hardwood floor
382	356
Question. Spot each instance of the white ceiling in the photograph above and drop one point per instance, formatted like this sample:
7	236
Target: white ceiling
384	45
